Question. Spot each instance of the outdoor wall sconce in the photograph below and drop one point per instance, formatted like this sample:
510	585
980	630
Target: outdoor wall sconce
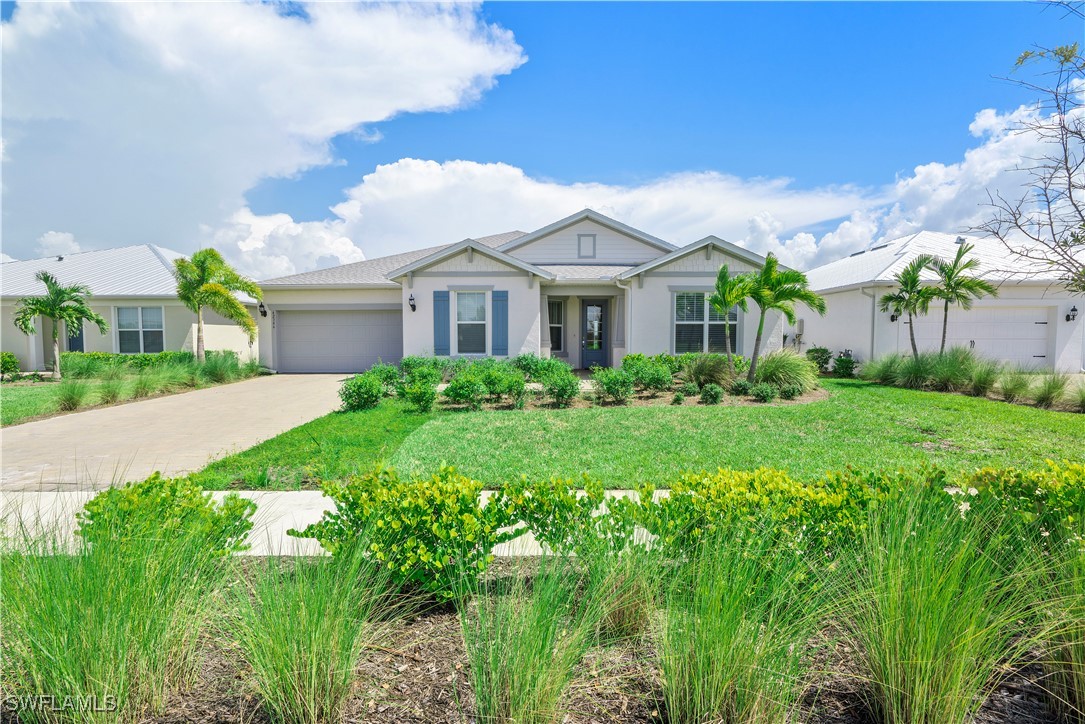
1072	314
410	301
893	317
262	309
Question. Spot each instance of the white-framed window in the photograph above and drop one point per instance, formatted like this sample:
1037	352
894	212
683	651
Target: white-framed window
585	246
140	329
555	310
698	327
470	322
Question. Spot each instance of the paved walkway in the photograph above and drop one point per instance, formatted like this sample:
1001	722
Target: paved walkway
176	434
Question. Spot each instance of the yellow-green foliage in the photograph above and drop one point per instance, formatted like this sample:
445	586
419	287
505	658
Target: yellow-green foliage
429	531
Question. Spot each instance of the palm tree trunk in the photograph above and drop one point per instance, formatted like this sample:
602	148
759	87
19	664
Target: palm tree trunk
200	356
756	348
727	343
56	352
911	335
945	325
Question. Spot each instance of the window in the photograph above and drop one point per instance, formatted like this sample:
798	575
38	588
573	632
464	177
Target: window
585	246
556	312
139	329
471	322
698	327
75	341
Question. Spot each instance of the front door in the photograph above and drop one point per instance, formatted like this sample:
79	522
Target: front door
593	326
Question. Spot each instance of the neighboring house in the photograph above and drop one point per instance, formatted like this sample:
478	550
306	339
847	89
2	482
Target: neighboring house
1025	324
132	287
587	289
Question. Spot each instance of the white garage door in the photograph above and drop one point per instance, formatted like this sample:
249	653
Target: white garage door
336	340
1018	335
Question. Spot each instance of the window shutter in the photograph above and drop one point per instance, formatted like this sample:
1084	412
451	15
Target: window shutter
500	339
441	325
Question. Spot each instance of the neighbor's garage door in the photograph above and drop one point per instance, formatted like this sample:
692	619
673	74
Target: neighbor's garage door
337	341
1018	335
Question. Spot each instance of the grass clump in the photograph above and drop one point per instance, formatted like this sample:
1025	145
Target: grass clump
884	371
1051	389
1014	384
952	370
73	394
787	368
112	390
1078	398
984	378
1066	646
915	373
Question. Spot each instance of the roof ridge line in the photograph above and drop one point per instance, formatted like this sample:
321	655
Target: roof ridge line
160	257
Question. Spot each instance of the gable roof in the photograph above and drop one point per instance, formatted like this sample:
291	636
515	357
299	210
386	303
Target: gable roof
143	270
881	262
709	241
589	215
373	272
474	244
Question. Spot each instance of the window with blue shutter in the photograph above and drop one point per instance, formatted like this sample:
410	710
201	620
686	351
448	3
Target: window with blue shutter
500	339
441	325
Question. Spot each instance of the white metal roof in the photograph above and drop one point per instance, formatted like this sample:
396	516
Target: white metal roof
144	270
881	262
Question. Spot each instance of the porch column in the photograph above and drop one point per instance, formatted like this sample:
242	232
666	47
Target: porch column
619	320
544	320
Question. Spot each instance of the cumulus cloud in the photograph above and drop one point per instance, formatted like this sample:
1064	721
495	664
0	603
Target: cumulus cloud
52	243
137	122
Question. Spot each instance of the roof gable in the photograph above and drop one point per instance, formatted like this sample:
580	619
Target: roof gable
143	270
708	243
593	216
471	246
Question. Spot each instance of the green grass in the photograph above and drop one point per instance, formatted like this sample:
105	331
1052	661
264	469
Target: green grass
862	425
21	402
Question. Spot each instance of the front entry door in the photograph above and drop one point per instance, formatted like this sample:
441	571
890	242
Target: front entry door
593	337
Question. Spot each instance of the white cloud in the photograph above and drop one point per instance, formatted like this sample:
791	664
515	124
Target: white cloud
140	122
6	258
52	243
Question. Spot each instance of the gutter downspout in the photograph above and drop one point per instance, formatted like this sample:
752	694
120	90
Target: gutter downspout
873	317
628	312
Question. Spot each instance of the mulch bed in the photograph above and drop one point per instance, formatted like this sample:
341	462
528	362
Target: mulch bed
639	400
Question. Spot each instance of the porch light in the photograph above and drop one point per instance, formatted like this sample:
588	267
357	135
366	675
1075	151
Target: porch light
262	309
893	317
1072	315
410	301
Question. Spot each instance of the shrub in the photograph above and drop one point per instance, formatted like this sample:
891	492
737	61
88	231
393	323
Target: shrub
740	388
785	367
1066	666
9	364
678	398
388	375
361	392
467	388
561	386
1014	384
984	377
158	508
1079	397
221	367
790	392
72	394
110	391
884	371
529	363
764	392
821	356
1051	389
688	389
431	533
844	366
412	364
1044	505
670	361
704	369
146	383
952	370
502	379
915	372
612	385
420	395
711	394
424	374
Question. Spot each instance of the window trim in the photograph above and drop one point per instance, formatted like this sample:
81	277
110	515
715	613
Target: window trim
580	238
117	329
561	351
706	322
454	338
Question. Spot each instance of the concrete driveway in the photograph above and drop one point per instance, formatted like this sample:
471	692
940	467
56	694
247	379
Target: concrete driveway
176	434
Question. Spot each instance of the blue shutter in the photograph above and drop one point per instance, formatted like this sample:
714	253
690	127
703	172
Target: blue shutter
500	339
440	324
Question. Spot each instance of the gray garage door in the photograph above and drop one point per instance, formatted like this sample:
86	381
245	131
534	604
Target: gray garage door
337	341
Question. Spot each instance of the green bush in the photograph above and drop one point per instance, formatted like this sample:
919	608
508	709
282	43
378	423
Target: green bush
764	392
704	369
785	367
984	377
740	388
420	395
612	385
111	391
426	374
146	383
1078	397
467	388
670	361
219	367
412	363
821	356
915	372
790	392
9	364
1014	384
884	371
503	380
561	386
72	394
361	392
678	398
844	366
1051	389
158	508
688	389
647	373
432	533
952	370
91	364
388	375
711	394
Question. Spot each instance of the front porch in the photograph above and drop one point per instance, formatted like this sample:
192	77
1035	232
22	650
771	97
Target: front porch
585	326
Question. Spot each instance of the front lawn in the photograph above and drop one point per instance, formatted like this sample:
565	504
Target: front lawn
862	425
22	402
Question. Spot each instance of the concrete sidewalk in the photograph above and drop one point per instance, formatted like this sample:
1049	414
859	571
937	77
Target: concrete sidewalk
176	434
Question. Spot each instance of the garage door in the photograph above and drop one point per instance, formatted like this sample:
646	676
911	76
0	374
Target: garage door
337	341
1018	335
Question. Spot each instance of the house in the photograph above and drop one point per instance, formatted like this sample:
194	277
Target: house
132	287
587	288
1034	321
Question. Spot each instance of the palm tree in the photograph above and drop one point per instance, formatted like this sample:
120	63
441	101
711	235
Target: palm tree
731	292
67	305
779	289
957	287
912	296
206	280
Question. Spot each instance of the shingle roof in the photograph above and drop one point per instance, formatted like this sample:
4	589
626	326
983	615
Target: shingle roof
580	272
373	272
144	270
882	261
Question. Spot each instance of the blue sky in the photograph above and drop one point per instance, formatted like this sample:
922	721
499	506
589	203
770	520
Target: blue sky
619	93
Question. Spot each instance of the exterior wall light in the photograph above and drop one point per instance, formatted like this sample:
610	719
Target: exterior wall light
1072	314
262	309
893	317
410	301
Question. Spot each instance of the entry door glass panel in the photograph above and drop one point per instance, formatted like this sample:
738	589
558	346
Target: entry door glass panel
594	345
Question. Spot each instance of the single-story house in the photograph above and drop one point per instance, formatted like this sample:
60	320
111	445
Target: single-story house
132	287
1034	321
587	288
